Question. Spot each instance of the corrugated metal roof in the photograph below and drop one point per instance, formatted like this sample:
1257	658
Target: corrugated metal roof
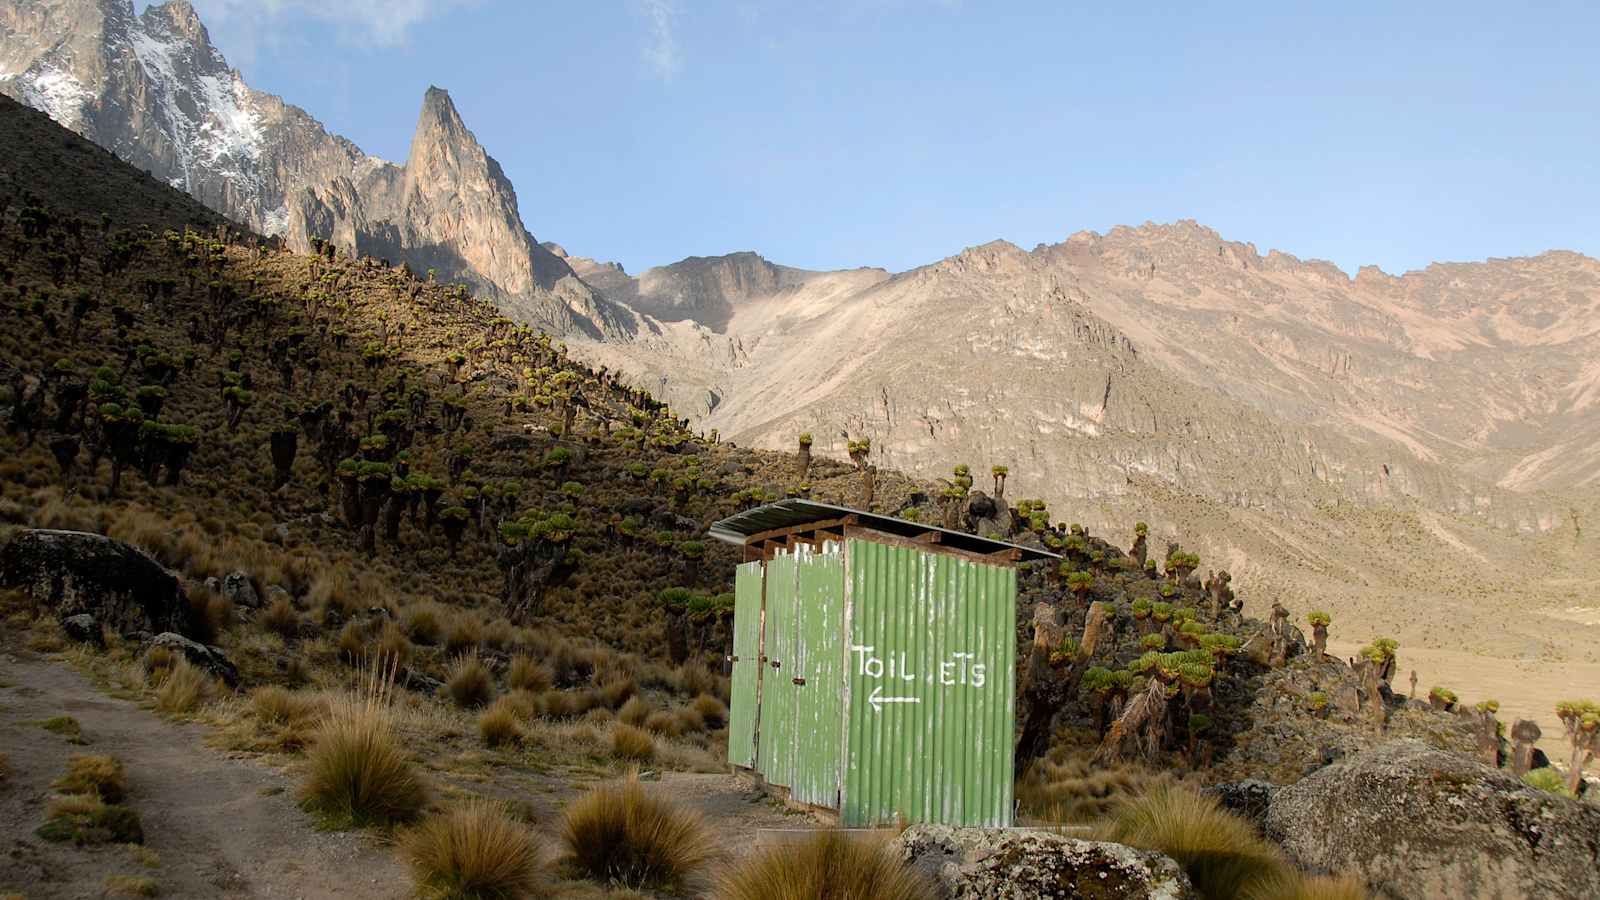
737	529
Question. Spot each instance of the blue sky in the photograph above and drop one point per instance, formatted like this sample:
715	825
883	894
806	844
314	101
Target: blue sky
832	134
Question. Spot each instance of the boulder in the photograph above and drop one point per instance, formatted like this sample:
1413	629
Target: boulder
83	629
1249	799
240	590
210	659
972	863
75	572
1417	822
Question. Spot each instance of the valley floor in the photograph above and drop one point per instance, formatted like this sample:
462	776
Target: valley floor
1526	688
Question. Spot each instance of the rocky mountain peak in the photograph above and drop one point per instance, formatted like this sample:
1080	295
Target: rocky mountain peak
178	17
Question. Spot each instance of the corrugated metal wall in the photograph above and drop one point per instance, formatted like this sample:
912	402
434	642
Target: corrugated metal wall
775	741
930	688
746	664
819	662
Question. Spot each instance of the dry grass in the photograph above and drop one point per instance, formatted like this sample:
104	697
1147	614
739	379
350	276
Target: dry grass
474	851
359	771
281	618
527	674
1065	789
470	684
501	724
465	634
132	886
183	689
1221	852
829	865
425	623
157	662
664	723
622	833
86	819
634	712
633	744
713	712
1291	885
288	715
100	775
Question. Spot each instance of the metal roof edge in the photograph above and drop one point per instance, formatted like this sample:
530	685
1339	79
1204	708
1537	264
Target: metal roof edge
739	527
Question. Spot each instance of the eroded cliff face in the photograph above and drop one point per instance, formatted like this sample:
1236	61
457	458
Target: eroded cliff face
1368	445
153	89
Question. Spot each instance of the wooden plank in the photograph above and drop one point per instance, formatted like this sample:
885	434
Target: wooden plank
883	537
761	537
1010	554
930	537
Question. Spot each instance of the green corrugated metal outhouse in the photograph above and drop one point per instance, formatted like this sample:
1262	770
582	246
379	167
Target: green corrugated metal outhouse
874	664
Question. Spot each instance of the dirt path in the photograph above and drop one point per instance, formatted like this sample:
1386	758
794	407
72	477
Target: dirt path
222	827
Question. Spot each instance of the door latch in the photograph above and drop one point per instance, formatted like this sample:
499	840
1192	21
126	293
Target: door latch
800	681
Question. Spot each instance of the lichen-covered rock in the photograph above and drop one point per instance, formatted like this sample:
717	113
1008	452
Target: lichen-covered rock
239	590
1416	822
1010	864
74	572
210	659
83	629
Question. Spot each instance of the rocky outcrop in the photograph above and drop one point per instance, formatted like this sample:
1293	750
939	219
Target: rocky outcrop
973	863
153	89
73	572
1414	822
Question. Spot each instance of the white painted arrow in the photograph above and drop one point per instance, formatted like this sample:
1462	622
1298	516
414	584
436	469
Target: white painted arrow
877	699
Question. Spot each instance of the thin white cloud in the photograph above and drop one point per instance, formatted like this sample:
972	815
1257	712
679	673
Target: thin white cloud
661	52
376	22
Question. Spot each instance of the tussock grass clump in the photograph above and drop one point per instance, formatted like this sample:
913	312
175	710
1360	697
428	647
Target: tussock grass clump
359	771
424	624
1221	852
664	723
99	775
501	724
470	685
690	720
826	866
86	819
158	662
634	712
526	674
281	618
132	886
274	705
630	743
620	832
184	689
618	691
465	635
474	850
66	726
394	645
712	711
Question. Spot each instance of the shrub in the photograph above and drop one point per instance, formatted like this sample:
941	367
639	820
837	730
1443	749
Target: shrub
527	675
622	833
474	850
630	743
184	688
1546	779
1221	852
829	865
99	775
470	684
359	773
499	724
